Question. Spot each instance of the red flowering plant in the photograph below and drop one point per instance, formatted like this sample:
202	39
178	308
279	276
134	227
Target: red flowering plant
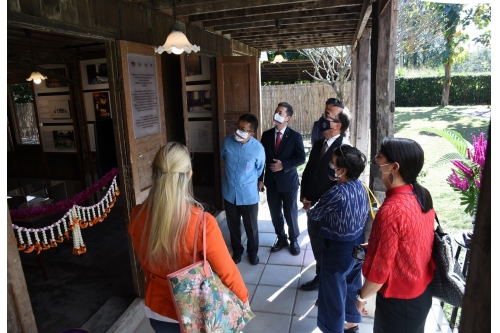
468	166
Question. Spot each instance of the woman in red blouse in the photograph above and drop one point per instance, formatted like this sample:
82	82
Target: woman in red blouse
399	265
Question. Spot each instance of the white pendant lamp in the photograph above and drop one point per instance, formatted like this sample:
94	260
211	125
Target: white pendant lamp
177	42
36	77
279	56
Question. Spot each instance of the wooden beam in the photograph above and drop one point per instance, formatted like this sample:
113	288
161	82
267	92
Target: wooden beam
283	9
270	19
41	24
363	19
204	7
309	28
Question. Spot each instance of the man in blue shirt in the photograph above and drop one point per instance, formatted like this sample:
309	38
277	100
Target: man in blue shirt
244	160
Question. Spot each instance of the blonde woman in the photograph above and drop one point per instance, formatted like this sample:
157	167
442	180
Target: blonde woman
162	231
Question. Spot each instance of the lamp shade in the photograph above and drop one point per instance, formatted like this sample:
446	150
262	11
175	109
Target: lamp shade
36	77
278	58
177	42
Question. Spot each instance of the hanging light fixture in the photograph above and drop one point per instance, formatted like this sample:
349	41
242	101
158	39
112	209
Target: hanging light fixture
176	41
35	76
279	56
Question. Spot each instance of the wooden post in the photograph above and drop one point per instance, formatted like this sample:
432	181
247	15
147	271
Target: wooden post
353	126
363	78
20	317
383	87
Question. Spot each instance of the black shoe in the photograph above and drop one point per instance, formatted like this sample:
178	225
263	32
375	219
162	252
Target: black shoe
254	260
311	285
279	244
294	248
236	259
354	329
316	303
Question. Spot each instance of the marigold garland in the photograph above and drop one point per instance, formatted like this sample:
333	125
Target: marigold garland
77	218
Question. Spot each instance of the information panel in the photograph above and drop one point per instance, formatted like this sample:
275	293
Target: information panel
144	94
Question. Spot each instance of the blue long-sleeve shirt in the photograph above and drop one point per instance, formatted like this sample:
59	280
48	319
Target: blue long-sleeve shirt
243	164
342	210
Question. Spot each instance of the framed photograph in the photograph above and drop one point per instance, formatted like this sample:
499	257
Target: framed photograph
199	102
54	109
94	74
58	139
197	68
51	85
200	136
97	105
60	109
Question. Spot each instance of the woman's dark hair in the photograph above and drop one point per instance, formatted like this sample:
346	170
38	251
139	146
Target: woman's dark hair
352	159
410	157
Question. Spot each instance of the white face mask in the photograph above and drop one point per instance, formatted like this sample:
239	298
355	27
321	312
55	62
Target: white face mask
240	135
278	119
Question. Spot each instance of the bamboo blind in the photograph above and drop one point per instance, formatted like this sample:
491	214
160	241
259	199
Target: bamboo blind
308	102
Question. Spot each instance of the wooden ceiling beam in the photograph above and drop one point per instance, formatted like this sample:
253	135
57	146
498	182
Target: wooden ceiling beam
283	9
288	45
283	39
229	7
286	18
366	11
312	28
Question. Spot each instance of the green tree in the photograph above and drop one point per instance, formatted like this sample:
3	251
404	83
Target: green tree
454	19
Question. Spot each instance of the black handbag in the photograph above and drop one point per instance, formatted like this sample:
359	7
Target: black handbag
448	284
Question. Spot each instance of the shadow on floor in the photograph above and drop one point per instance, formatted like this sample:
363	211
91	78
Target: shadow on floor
78	286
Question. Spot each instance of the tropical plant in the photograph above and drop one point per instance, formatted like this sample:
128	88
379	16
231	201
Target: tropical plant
468	166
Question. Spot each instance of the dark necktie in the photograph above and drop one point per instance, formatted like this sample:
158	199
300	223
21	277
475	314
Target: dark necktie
325	148
278	141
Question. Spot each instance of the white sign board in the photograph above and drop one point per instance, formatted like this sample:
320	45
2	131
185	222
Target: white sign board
144	94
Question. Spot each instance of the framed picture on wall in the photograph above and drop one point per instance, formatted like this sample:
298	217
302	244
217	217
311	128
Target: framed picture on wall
199	101
197	68
97	105
200	136
54	109
52	84
59	139
94	74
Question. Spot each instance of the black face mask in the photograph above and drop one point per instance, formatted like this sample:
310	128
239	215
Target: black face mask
324	124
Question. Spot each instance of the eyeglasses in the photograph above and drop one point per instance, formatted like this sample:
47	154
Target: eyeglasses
333	120
374	161
331	166
335	102
340	148
242	129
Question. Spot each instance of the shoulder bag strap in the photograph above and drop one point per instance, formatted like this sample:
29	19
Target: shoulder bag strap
206	266
196	237
368	194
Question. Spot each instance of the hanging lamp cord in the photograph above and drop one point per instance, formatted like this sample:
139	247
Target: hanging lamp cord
28	33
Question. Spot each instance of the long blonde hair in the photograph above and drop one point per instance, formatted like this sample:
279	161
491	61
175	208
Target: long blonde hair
168	206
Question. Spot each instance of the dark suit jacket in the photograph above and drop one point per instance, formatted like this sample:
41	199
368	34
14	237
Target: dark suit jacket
291	154
315	179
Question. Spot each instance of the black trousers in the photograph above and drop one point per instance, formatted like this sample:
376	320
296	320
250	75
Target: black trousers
249	214
313	228
394	315
284	204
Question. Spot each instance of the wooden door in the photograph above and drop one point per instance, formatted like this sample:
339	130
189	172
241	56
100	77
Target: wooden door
238	92
139	123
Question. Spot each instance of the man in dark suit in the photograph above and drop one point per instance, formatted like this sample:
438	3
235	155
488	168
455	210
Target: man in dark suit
315	180
284	150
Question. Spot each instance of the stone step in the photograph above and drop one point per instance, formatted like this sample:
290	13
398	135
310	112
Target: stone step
107	315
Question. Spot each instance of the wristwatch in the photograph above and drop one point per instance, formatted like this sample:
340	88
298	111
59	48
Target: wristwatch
358	296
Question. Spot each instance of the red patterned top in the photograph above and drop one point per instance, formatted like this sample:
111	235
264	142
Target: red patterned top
399	253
